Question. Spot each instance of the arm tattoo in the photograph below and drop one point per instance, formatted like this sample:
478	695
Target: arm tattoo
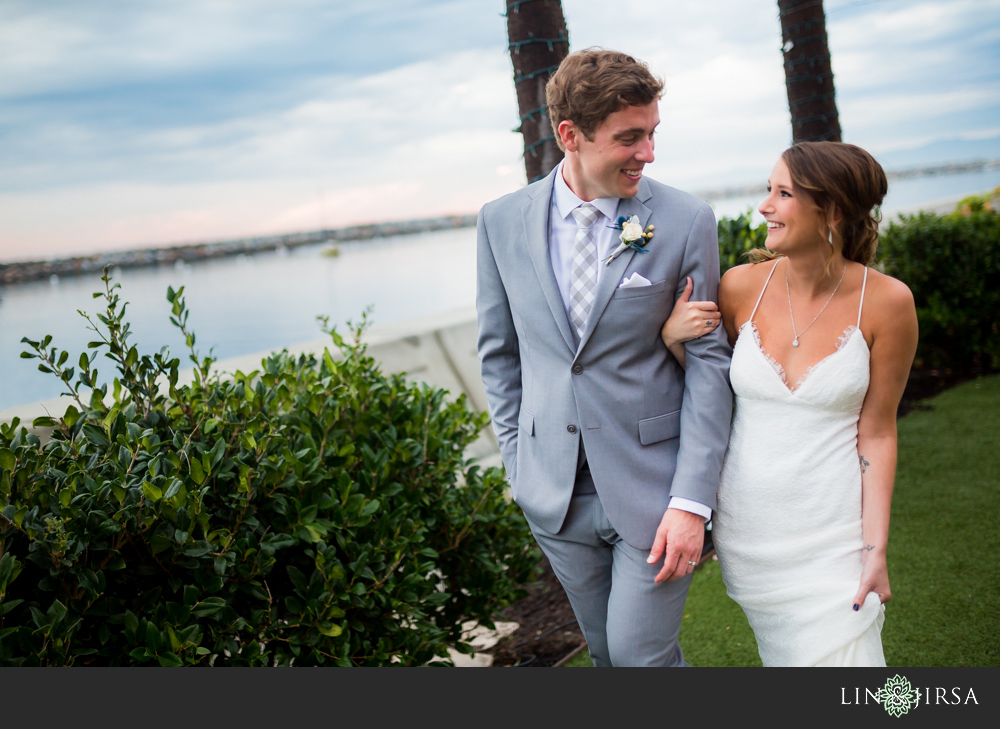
869	547
864	463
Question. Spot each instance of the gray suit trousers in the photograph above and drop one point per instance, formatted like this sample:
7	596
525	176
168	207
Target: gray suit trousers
626	618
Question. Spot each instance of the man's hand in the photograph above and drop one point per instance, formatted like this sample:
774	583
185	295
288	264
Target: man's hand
678	540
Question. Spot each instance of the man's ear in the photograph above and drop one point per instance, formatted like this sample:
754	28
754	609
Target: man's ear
570	134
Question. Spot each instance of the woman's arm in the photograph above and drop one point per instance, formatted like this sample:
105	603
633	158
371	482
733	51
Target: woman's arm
688	320
893	327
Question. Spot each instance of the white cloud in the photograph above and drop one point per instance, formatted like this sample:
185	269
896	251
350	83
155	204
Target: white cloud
427	136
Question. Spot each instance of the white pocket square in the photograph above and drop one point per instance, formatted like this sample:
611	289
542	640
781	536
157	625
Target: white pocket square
634	281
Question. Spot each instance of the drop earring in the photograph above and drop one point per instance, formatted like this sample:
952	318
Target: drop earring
829	236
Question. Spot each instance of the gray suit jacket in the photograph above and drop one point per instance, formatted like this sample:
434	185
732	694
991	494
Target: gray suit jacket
650	429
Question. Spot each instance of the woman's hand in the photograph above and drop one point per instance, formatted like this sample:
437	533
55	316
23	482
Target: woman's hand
874	577
689	319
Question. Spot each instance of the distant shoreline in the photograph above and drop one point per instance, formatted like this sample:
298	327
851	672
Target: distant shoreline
951	168
17	272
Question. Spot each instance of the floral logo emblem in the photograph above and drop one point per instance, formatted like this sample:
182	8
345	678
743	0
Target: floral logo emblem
897	696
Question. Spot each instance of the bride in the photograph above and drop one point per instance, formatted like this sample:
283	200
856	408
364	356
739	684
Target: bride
822	347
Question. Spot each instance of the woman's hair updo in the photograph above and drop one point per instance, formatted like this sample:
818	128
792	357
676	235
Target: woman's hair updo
845	178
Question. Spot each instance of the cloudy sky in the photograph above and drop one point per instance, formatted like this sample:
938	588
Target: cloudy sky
124	124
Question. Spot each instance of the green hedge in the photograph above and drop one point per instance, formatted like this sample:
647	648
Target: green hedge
737	237
316	512
952	265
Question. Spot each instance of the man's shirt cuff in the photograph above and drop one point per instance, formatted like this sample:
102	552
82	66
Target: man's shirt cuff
676	502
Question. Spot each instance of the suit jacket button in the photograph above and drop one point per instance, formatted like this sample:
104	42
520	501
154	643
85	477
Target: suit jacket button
577	369
571	428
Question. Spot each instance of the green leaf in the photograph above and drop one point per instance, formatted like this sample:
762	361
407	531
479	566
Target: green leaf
43	422
152	492
197	472
208	606
6	607
173	487
154	639
95	434
71	416
131	622
328	361
7	459
200	549
331	630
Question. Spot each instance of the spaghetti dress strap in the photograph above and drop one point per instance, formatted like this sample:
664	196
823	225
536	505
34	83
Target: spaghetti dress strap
752	313
861	303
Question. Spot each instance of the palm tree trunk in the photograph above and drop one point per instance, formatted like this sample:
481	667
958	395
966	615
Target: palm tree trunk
539	41
808	71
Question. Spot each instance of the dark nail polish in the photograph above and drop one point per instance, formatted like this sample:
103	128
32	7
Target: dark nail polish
855	607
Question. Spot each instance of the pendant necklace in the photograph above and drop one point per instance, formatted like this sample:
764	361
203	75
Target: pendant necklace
795	342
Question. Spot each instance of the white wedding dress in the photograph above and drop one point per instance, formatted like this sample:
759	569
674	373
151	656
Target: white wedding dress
788	525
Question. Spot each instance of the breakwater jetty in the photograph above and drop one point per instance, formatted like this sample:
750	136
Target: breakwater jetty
22	271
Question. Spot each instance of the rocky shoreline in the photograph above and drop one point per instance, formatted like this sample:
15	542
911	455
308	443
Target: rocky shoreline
24	271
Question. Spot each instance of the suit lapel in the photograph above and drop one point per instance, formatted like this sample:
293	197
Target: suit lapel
535	216
611	276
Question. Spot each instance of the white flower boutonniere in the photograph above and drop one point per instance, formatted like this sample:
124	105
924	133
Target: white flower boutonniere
632	236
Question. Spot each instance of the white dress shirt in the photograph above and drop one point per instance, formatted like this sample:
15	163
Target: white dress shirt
562	241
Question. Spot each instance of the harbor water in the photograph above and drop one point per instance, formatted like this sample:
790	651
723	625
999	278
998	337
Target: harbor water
266	301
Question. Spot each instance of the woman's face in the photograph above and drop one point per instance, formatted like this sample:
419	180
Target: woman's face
793	221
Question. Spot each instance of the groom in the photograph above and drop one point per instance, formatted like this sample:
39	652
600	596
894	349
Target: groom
613	451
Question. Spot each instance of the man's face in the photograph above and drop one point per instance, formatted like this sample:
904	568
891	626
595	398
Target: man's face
611	164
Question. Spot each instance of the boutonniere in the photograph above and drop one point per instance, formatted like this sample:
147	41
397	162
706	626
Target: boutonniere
632	236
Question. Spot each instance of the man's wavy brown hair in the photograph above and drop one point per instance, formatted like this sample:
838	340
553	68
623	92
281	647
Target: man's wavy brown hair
591	85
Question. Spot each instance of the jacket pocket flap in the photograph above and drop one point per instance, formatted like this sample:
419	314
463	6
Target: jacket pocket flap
526	422
662	427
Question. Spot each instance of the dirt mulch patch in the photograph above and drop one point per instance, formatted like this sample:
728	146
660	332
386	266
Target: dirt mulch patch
547	632
924	384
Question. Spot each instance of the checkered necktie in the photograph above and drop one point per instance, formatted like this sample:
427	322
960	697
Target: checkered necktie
583	277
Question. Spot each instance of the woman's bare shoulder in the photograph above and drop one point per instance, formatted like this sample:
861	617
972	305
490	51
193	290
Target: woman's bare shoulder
889	296
739	288
889	317
740	280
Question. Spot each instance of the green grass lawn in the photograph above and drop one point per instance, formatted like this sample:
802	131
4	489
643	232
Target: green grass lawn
944	546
